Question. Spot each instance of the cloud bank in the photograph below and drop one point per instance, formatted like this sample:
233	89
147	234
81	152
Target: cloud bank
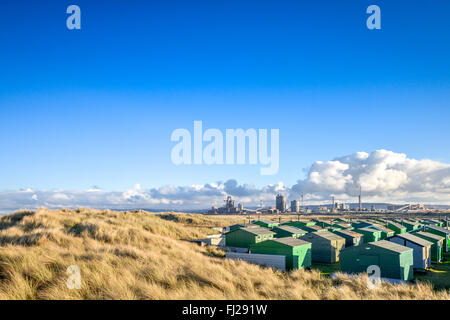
384	176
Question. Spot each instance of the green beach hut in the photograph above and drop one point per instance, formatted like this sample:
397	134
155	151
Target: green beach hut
369	234
288	231
326	246
438	244
265	224
352	238
398	228
385	232
297	252
300	223
245	237
395	261
440	232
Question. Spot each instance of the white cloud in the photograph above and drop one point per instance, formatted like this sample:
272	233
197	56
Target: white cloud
384	176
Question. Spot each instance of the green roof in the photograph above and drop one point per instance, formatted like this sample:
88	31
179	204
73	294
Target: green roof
265	221
292	242
414	239
236	225
322	221
390	246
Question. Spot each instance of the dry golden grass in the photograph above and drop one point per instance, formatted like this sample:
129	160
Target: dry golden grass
140	255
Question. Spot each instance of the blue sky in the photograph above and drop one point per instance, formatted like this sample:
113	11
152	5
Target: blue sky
97	106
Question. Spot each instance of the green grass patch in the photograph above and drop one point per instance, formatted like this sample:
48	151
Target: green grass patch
326	269
438	275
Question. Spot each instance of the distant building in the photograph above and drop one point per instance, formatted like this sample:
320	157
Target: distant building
281	203
229	208
270	210
295	206
395	207
323	209
406	207
337	206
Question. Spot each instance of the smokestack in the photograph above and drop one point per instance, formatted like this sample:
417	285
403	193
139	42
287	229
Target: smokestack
359	199
332	204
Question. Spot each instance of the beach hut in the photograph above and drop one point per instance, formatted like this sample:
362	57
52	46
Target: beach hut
299	223
395	261
398	228
297	252
410	225
361	224
339	220
265	224
234	227
438	244
245	237
288	231
322	223
369	234
385	232
352	238
434	221
342	225
445	223
326	246
421	247
440	232
313	228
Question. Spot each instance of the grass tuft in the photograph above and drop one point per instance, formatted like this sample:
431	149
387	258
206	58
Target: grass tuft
143	255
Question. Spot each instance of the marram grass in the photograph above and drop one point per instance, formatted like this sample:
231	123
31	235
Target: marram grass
142	255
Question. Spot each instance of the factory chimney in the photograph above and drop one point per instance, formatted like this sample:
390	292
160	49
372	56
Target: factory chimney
332	204
303	207
359	199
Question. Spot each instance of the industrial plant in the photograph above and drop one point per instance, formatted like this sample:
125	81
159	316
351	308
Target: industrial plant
229	208
334	207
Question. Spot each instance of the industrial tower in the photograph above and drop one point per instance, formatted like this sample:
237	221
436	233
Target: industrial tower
359	199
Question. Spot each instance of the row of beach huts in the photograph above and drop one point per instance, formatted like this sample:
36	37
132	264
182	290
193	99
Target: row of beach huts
397	246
